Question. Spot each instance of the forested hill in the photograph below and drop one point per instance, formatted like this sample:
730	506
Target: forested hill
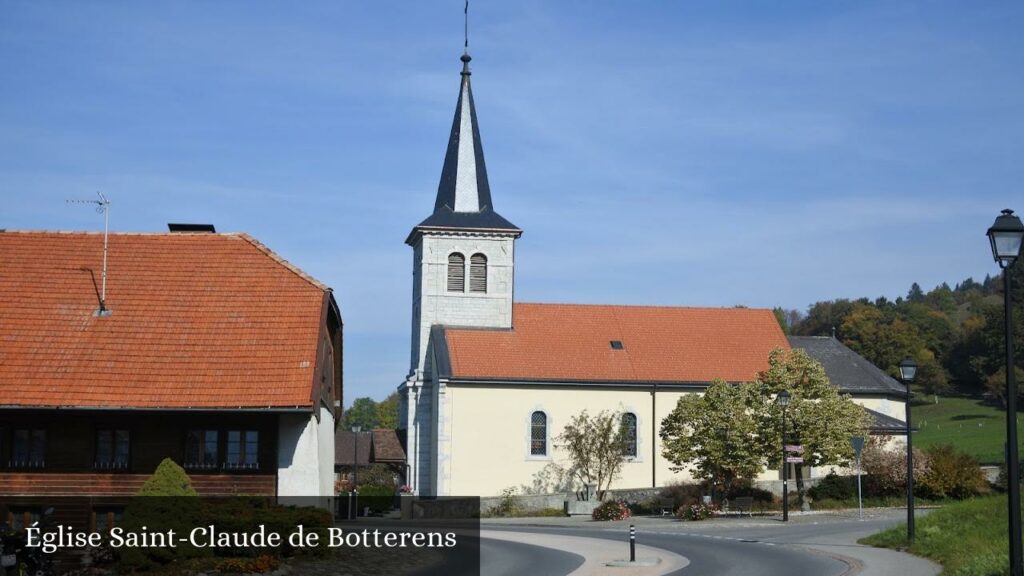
955	334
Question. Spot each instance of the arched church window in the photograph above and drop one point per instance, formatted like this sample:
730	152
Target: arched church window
456	272
538	434
478	273
629	434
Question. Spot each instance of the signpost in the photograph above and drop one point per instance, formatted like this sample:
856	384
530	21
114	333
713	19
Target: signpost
858	445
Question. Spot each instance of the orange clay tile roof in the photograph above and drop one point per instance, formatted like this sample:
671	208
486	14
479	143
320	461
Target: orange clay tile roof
198	321
566	342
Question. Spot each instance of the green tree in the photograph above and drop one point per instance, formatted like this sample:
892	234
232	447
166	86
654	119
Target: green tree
595	446
387	412
363	412
711	434
818	417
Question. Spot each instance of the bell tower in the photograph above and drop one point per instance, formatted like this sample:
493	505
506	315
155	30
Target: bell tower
463	269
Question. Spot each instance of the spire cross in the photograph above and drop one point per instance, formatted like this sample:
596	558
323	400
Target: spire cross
465	52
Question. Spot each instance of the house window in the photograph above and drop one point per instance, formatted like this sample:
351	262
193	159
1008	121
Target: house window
538	434
201	449
112	449
243	449
20	518
629	434
28	449
456	272
103	519
478	273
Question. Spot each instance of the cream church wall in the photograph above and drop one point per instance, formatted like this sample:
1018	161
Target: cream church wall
484	444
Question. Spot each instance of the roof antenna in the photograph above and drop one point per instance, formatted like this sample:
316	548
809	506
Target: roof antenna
102	207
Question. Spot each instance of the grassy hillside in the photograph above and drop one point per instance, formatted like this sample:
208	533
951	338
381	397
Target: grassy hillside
968	538
967	423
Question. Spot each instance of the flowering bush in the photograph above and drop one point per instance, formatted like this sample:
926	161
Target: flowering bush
696	512
405	489
611	510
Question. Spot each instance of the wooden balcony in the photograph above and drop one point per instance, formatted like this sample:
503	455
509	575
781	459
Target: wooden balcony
37	483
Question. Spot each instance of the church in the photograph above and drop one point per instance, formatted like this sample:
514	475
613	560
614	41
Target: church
492	381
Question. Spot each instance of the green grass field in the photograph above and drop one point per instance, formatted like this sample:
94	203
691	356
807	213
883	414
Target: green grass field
968	538
976	428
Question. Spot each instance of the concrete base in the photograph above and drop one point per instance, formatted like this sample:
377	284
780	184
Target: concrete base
637	562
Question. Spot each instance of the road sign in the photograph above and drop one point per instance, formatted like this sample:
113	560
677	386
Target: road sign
794	460
858	444
795	448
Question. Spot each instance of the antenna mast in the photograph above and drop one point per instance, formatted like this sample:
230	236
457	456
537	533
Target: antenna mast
103	207
465	45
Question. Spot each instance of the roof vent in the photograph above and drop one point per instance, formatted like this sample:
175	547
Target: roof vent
616	344
208	228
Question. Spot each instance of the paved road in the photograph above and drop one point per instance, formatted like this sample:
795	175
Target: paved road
503	558
715	555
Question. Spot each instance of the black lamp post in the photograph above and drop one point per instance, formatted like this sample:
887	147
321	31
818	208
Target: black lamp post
908	369
783	400
1006	235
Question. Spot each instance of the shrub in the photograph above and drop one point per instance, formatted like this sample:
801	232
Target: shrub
885	467
611	510
747	488
950	474
695	512
168	479
683	494
834	487
376	497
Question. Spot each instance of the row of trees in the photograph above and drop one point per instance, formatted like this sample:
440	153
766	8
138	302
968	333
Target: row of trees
370	414
732	431
955	334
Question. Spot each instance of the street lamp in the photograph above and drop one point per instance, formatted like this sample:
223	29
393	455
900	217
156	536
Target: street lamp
908	369
355	468
1005	236
782	399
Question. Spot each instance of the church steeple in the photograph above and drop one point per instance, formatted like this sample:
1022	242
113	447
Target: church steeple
464	193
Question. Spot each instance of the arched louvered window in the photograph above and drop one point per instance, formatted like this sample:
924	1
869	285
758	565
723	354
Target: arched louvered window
456	272
538	434
629	434
478	273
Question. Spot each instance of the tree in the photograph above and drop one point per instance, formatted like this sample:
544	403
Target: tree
712	433
363	412
818	417
387	412
595	446
915	294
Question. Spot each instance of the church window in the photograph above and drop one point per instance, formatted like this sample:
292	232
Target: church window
629	434
478	273
456	272
539	434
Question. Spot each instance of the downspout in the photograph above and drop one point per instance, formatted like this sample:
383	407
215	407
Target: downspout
654	435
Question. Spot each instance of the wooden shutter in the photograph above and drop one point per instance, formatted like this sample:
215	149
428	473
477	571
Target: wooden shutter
478	273
456	272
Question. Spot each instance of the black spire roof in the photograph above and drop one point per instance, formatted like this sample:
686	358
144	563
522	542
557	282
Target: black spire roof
464	194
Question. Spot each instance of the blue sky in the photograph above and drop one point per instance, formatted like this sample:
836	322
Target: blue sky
705	154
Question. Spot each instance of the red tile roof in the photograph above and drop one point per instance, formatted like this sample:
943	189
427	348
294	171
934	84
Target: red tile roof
198	321
567	342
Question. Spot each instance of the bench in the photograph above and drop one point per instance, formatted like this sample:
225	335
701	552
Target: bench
666	506
741	504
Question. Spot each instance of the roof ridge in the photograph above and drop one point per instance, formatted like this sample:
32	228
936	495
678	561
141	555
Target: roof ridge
657	306
277	258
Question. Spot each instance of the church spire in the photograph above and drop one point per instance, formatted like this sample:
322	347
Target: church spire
464	193
464	186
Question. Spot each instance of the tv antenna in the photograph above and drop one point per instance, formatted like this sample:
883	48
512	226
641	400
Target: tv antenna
102	207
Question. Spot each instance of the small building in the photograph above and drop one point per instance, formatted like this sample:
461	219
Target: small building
355	452
209	349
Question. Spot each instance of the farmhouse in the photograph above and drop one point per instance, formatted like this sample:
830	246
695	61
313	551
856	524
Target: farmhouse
492	381
208	349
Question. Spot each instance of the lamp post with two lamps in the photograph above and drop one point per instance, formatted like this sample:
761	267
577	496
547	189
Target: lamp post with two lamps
908	369
782	399
1005	236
